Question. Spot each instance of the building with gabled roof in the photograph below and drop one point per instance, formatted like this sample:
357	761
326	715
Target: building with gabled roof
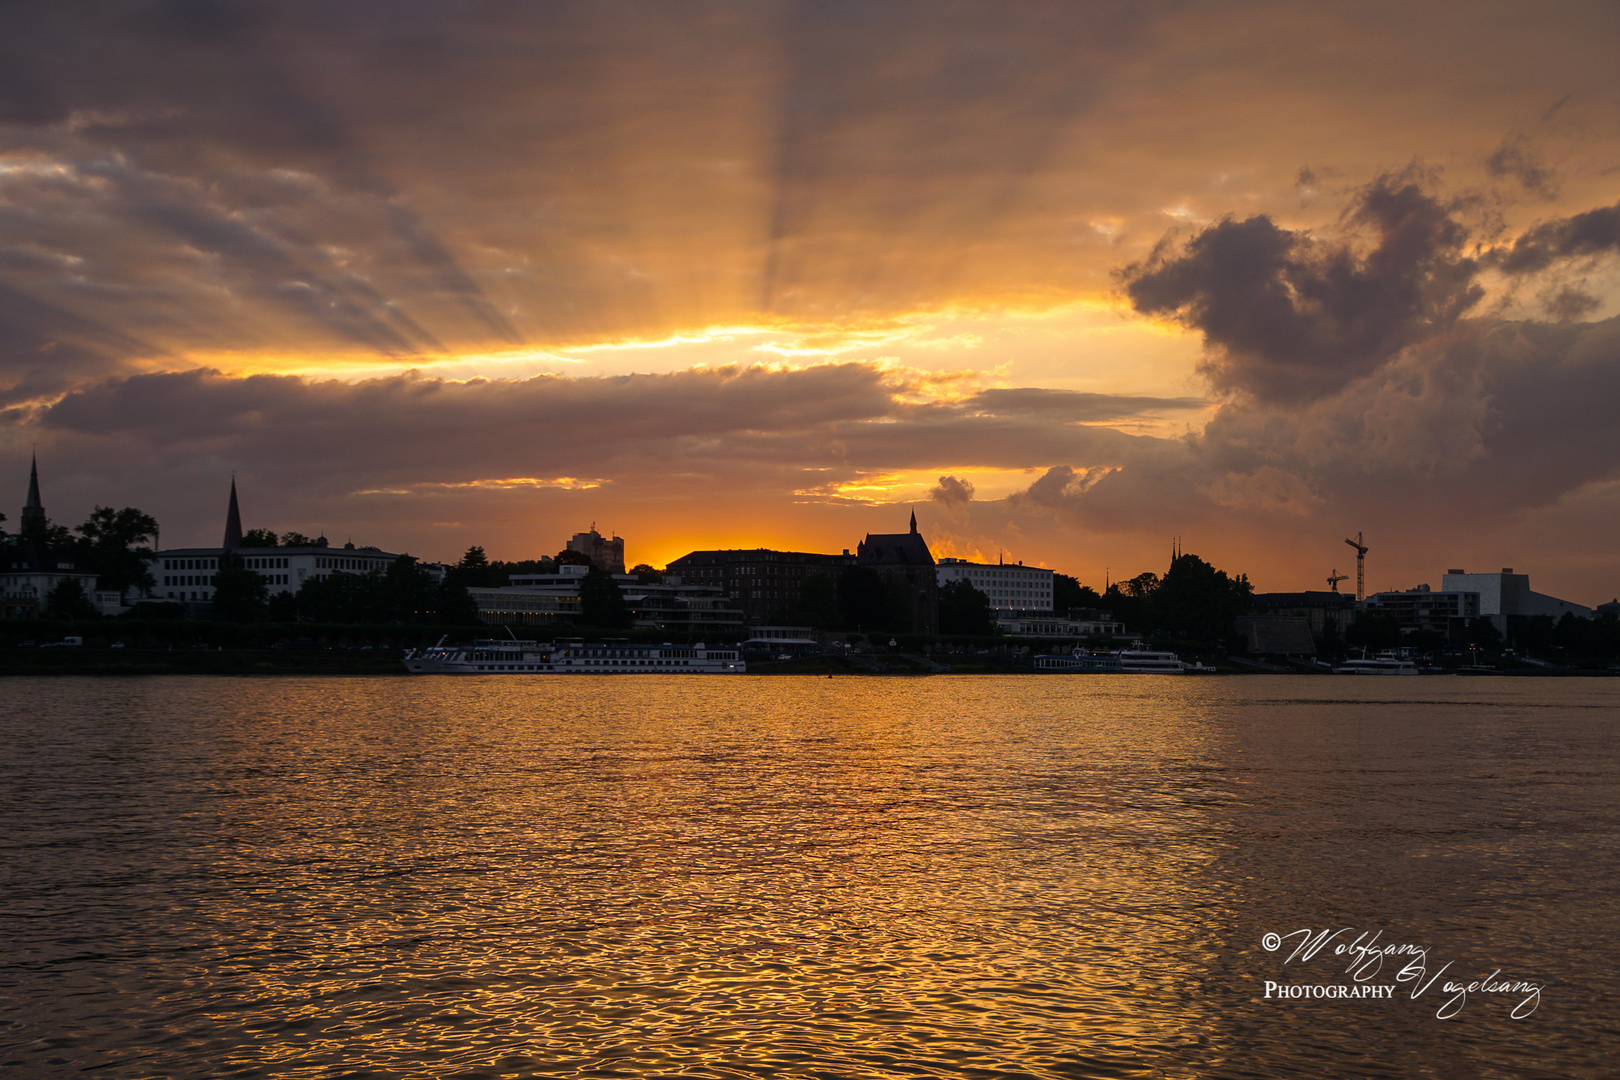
907	566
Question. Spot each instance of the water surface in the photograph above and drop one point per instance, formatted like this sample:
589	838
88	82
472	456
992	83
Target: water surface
739	877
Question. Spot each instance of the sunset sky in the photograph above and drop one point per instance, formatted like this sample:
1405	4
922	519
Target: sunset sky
1070	279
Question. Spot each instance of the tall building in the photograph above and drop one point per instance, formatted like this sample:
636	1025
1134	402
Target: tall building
1010	587
1506	594
905	563
605	554
765	584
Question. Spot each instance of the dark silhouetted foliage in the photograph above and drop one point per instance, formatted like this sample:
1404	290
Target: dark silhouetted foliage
601	602
818	601
864	604
240	595
113	546
68	601
965	610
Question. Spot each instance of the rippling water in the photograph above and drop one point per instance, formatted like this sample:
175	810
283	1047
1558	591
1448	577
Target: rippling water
951	876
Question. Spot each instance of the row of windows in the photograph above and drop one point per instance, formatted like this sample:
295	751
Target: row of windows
188	579
267	562
326	562
191	564
585	663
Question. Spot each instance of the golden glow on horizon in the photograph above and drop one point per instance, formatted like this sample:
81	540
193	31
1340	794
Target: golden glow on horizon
506	483
914	339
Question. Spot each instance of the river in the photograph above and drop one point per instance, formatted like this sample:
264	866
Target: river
954	876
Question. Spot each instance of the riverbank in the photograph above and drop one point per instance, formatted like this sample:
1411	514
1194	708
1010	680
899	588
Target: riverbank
194	660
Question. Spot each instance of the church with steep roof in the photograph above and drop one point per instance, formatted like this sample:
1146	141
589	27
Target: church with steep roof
905	563
31	567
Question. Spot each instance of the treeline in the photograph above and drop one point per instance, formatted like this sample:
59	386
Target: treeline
1192	601
1568	639
112	544
403	593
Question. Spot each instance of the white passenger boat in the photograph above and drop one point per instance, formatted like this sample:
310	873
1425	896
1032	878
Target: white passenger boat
1078	662
1385	663
513	657
1141	660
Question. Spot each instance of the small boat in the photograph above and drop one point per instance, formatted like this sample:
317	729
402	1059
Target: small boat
1385	663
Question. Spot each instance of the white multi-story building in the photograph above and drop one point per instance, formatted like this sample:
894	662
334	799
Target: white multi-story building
1507	593
1010	587
186	575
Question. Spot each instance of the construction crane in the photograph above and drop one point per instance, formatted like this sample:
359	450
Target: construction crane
1336	577
1361	566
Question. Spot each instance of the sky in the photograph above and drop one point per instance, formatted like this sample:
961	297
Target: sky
1071	280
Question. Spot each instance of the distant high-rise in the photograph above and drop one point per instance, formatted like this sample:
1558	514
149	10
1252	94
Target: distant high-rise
605	554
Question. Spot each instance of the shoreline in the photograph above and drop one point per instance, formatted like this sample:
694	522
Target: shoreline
337	662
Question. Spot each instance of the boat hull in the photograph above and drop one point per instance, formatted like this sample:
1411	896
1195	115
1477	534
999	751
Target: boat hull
573	658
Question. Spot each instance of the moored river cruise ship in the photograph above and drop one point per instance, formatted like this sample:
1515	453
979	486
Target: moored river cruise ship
496	657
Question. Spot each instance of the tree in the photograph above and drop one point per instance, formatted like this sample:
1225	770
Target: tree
475	572
818	601
1195	600
1067	593
113	545
68	601
1142	585
260	538
863	601
505	570
1483	632
1376	631
964	610
601	601
240	594
646	574
296	539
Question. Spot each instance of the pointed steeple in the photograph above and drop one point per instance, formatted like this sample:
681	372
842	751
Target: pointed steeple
233	522
33	514
914	523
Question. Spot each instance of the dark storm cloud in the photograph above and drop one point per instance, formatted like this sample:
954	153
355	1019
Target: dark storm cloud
1588	235
1290	318
1492	421
744	428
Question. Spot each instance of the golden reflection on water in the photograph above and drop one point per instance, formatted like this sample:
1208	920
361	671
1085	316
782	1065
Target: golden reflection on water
746	877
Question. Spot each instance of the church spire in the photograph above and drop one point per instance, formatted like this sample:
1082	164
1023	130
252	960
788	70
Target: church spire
914	523
33	514
233	521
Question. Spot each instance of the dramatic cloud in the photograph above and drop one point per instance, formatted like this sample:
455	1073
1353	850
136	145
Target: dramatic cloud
330	246
951	492
1290	318
1588	235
